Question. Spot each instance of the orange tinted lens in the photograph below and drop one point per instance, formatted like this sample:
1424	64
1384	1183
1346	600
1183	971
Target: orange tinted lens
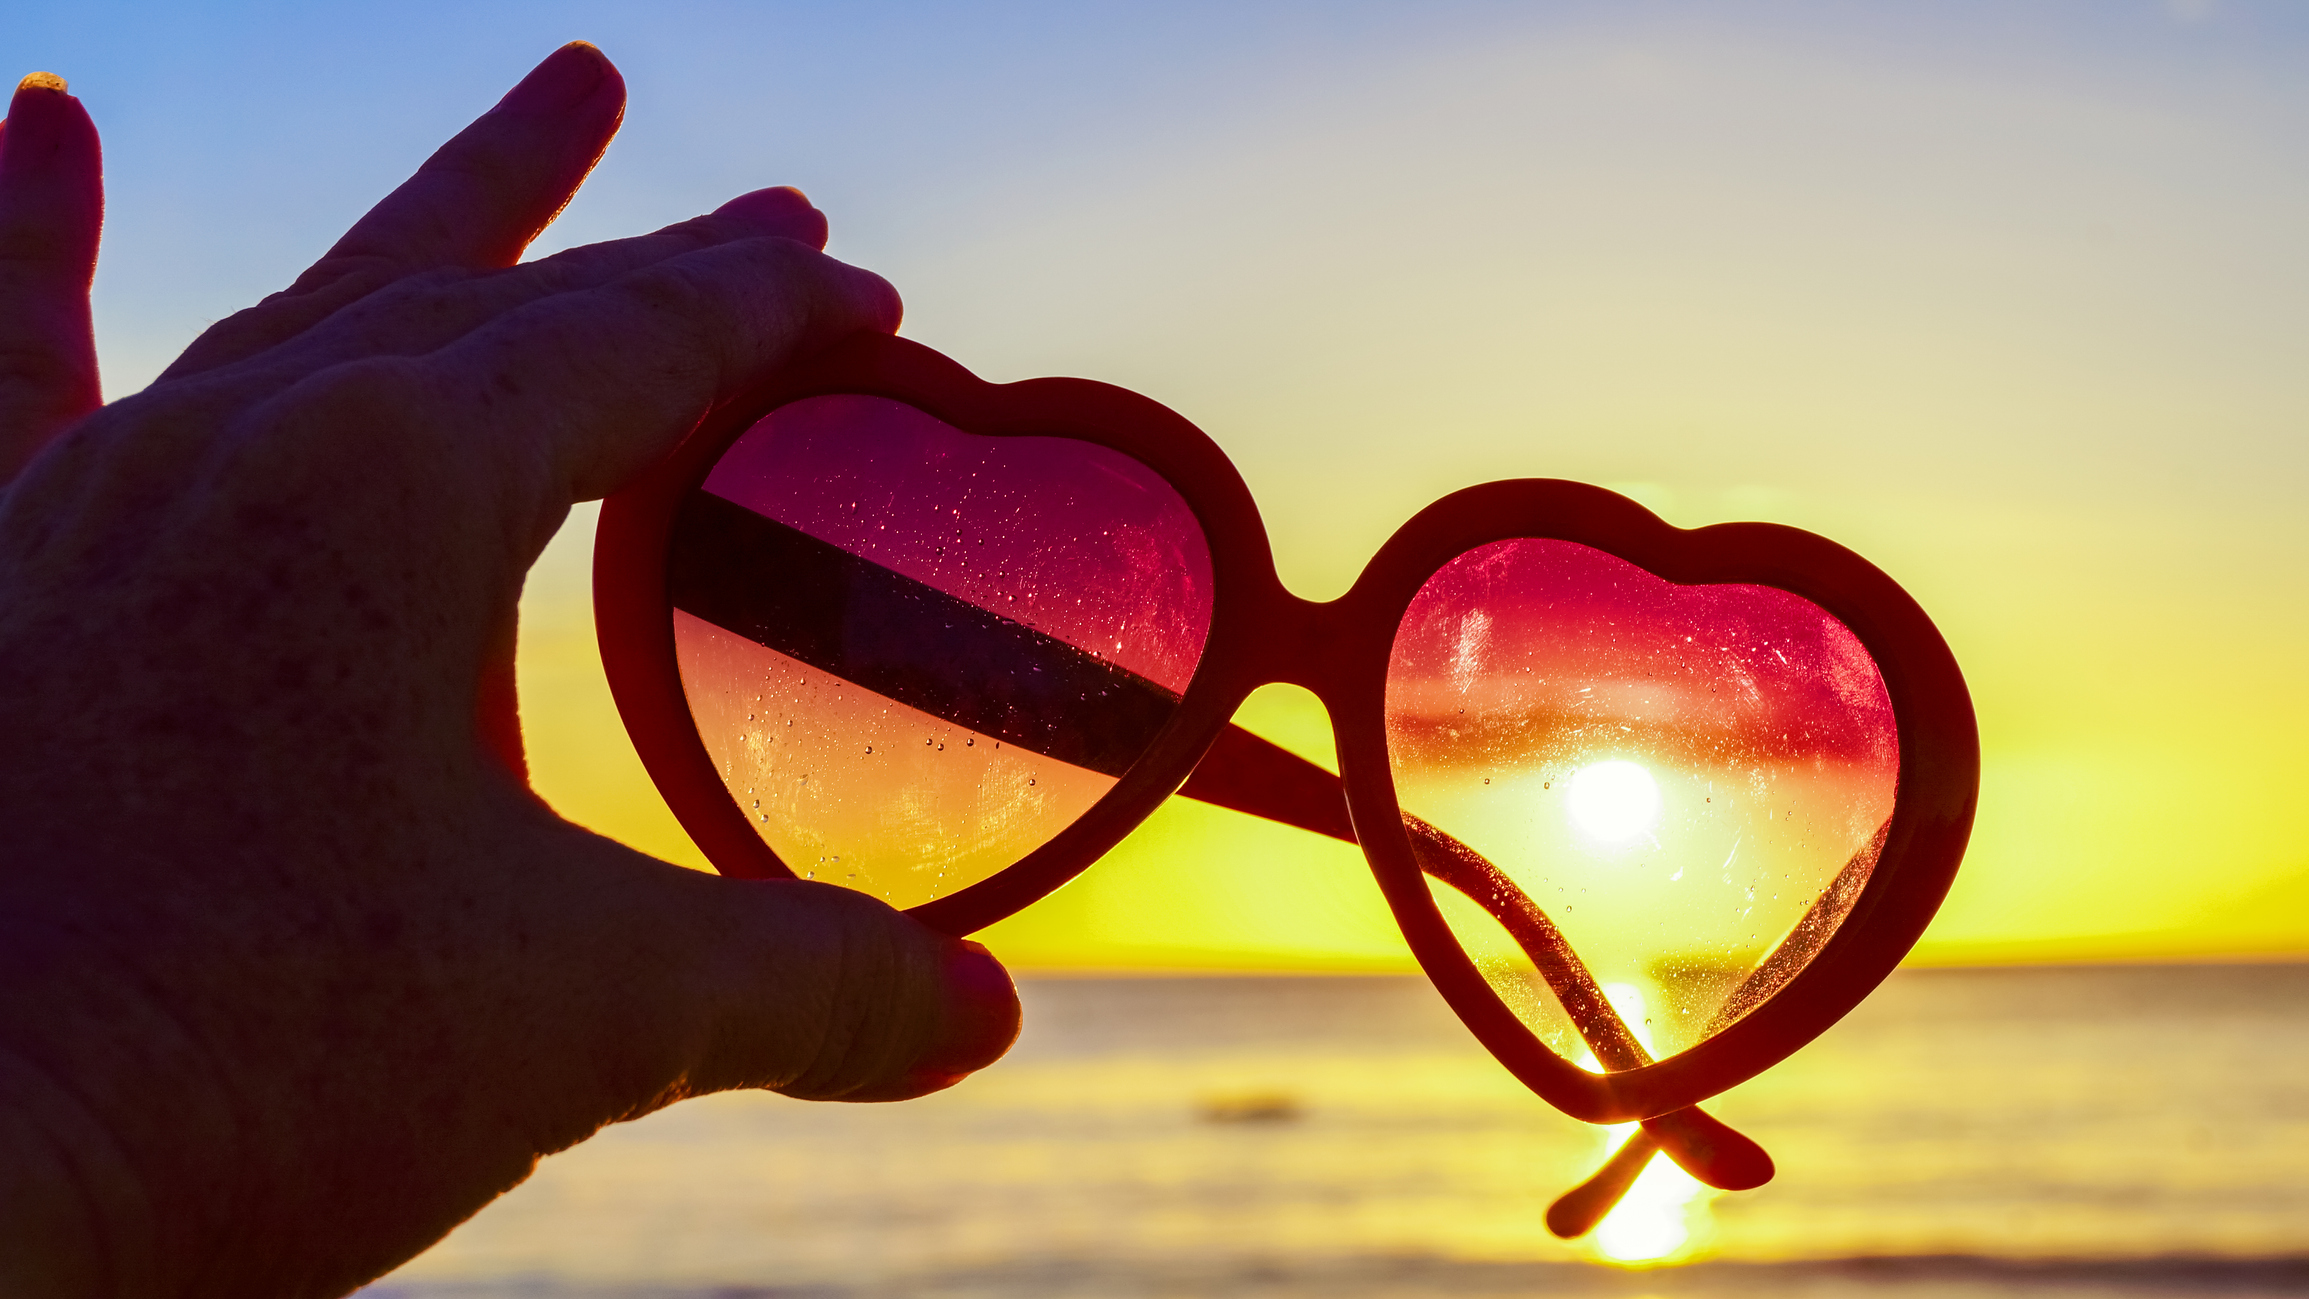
1665	797
916	654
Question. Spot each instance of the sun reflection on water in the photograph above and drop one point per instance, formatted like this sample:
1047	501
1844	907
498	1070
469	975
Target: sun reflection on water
1663	1219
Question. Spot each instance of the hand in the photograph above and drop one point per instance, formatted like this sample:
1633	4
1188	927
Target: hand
295	972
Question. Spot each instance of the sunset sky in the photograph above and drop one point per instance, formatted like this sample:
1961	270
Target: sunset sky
2011	298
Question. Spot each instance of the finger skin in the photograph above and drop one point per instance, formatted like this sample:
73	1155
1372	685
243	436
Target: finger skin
308	1139
475	204
51	212
423	312
690	332
483	196
294	974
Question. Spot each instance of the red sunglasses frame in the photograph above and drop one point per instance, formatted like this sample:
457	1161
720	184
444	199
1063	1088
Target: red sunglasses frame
1339	650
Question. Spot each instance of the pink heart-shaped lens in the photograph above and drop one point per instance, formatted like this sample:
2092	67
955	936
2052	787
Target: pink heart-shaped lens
1686	785
915	654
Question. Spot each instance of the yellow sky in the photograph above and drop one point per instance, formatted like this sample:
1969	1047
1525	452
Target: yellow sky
2023	329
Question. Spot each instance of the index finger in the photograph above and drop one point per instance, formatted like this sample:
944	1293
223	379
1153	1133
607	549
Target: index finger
483	196
476	203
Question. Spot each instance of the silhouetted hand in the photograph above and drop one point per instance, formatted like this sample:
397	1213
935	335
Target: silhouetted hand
295	973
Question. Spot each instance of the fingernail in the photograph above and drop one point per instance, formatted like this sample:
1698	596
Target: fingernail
39	117
567	78
981	1020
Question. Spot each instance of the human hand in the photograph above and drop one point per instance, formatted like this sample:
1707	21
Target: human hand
295	972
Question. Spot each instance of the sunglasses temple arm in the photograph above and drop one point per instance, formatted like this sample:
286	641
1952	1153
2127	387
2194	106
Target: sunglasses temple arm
1700	1144
1472	874
1245	773
1683	1134
1690	1136
1819	921
1579	1209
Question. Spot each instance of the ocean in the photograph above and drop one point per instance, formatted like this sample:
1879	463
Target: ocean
2112	1131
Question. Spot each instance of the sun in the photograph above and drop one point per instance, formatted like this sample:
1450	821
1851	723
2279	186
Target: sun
1613	802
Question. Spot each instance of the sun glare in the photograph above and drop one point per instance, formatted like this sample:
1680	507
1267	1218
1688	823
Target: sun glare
1662	1219
1613	802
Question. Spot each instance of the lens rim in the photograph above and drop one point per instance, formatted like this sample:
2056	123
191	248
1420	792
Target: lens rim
635	628
1261	633
1936	790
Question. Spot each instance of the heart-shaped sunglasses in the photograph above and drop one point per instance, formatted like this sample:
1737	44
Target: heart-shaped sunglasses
1653	807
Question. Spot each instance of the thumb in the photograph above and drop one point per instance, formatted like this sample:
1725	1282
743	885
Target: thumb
823	993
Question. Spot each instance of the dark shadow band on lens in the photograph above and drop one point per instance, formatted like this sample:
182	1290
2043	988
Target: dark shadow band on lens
813	601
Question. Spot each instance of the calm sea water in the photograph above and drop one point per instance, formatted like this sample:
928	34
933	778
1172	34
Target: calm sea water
2114	1131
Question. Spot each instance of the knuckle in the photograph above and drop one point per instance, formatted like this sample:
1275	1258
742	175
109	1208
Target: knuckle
330	286
370	388
440	282
414	302
343	276
671	290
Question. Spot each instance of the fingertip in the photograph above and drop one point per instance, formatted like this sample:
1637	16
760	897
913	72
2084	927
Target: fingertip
565	80
611	79
42	116
864	301
979	1022
782	211
982	1012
